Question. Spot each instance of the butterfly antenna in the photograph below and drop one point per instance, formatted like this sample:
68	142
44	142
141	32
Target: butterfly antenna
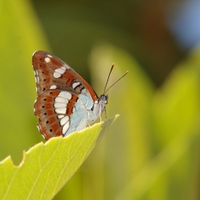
108	79
116	81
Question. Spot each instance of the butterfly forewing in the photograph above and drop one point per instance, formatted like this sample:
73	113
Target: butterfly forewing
53	73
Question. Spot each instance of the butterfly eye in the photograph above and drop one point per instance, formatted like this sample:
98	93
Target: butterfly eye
104	98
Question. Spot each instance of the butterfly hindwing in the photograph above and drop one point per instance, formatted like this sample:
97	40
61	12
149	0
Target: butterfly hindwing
53	108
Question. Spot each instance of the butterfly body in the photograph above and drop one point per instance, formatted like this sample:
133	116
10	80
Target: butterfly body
65	102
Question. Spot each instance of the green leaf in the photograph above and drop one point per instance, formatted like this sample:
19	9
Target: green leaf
46	168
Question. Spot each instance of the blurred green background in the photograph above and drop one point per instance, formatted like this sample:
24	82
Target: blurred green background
153	150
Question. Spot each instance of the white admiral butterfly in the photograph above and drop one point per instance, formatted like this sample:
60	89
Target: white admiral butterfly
65	102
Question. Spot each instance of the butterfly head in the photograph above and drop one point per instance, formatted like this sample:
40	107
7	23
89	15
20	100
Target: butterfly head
103	99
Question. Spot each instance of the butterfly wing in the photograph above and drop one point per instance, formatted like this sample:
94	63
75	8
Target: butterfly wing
58	88
53	73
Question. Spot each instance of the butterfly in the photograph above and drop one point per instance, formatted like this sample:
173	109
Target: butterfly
65	101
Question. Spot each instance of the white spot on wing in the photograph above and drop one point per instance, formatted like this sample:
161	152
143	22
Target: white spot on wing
53	87
38	128
83	91
56	75
61	100
60	116
65	128
37	79
75	84
60	110
59	71
65	94
47	60
43	136
36	72
36	76
60	105
64	120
